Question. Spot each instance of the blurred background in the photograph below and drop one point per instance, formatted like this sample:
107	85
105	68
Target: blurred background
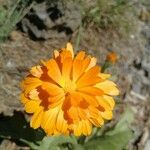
31	29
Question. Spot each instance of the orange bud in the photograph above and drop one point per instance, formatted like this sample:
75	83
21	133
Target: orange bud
112	57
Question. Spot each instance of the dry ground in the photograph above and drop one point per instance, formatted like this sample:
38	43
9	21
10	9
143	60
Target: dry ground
131	72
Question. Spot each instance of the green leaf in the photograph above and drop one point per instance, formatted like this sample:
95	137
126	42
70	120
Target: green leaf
126	119
112	142
2	15
32	145
115	139
55	142
124	123
10	16
78	147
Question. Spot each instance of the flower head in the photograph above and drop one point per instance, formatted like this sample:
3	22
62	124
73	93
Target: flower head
68	94
112	57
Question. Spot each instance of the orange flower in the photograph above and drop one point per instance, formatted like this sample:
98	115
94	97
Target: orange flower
112	57
68	94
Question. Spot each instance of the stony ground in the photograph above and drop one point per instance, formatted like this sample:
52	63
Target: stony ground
131	72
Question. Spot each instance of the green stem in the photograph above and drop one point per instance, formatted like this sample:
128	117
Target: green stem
82	140
105	66
78	37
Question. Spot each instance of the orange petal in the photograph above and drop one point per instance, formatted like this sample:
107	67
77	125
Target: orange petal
37	118
56	98
91	90
53	70
52	89
89	78
30	83
70	48
77	67
92	63
103	103
24	99
82	113
73	113
89	99
66	68
78	129
56	104
86	127
80	55
82	127
94	112
110	101
108	87
75	99
33	94
65	54
85	63
107	115
32	106
49	120
56	53
94	117
36	71
98	122
61	123
56	101
104	76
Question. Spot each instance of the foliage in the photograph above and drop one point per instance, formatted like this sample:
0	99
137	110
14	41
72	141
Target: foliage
115	139
112	14
10	15
105	14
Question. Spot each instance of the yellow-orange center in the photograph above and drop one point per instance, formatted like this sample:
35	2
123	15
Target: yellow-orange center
68	85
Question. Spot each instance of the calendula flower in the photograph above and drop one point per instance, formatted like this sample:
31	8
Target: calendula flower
68	94
112	57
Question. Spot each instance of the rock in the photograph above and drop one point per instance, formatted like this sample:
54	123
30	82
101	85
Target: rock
48	20
147	145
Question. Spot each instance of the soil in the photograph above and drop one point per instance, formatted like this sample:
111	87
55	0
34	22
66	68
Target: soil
131	72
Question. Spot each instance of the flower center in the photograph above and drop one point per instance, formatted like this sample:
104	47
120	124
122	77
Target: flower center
68	85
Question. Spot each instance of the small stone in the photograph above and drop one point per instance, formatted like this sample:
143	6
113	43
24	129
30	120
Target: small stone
15	36
147	145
